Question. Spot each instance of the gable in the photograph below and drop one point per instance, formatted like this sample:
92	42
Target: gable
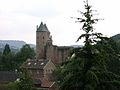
49	67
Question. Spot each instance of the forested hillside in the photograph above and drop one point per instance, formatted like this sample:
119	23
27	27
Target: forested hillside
15	45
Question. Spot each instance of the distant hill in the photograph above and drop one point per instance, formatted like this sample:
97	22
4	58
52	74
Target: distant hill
76	46
15	45
116	37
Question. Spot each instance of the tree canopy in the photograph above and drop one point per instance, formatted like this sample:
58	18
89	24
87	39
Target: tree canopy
89	68
25	81
25	52
10	61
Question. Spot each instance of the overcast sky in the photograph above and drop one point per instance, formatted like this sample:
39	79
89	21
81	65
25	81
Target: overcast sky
18	19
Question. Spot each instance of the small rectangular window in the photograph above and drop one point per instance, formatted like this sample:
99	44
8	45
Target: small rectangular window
37	72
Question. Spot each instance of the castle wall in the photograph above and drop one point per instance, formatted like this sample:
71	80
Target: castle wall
63	53
57	54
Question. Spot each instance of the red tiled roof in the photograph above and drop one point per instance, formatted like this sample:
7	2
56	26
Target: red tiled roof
46	83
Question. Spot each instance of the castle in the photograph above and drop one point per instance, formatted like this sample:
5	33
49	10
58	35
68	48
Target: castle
47	57
46	50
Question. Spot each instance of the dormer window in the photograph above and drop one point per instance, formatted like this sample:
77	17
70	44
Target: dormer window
41	63
29	63
35	63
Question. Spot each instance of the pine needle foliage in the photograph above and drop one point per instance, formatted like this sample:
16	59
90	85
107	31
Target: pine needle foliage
87	70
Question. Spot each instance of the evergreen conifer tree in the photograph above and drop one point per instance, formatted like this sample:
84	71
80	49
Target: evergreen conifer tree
6	49
87	69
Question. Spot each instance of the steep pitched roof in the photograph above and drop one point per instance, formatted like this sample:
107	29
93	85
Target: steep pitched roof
46	83
42	28
7	76
34	64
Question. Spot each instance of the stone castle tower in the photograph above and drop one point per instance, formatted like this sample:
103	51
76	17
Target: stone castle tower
46	50
42	38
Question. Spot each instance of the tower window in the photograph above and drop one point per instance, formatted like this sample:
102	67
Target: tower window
43	37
